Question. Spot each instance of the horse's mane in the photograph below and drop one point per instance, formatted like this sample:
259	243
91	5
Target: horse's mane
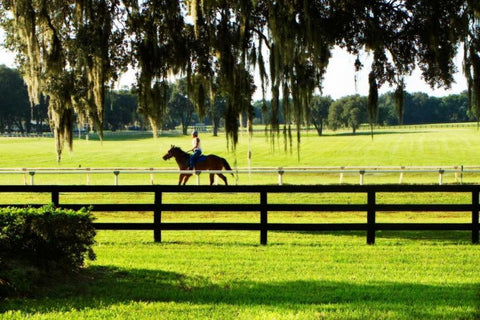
179	149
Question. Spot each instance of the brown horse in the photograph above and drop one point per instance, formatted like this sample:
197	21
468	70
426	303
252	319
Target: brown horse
211	162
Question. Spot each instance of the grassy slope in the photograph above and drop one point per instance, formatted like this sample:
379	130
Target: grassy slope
227	275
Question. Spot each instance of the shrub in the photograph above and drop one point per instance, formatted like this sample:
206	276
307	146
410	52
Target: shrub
35	243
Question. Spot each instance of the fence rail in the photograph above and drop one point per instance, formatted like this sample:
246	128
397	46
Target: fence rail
263	207
458	172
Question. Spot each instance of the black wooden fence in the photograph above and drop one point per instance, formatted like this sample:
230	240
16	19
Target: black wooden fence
263	207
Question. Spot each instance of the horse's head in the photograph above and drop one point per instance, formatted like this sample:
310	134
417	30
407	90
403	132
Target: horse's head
171	153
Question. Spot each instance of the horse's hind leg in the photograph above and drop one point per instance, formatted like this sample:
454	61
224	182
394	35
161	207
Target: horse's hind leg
223	178
180	178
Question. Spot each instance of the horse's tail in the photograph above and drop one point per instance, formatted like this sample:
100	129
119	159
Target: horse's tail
227	166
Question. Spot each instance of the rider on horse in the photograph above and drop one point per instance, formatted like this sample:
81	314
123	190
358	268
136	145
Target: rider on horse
197	151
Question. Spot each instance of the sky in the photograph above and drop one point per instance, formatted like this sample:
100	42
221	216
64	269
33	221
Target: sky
339	80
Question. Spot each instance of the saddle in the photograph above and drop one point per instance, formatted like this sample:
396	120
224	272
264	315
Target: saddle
201	158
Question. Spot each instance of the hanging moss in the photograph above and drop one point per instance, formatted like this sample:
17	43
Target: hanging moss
57	50
372	98
399	98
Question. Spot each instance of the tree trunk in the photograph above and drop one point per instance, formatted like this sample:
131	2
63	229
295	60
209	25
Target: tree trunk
215	123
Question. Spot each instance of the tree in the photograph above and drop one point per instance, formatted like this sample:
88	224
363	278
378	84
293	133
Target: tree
180	107
455	108
350	111
120	110
14	105
70	50
160	41
386	110
40	115
218	112
421	108
319	112
354	111
335	120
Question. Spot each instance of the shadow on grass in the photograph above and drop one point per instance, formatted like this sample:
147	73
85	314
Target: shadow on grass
440	237
128	135
369	133
105	286
316	238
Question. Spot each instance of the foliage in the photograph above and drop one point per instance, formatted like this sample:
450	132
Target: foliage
159	46
68	51
120	111
217	112
46	241
180	109
14	106
420	108
349	111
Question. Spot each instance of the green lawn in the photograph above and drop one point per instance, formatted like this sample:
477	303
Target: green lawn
227	275
298	275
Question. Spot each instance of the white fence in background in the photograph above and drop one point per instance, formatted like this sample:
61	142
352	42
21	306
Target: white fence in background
458	171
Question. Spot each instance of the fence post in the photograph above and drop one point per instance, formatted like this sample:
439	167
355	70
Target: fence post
31	173
88	176
362	173
440	176
55	198
116	173
475	222
197	173
263	218
280	176
461	174
371	217
157	217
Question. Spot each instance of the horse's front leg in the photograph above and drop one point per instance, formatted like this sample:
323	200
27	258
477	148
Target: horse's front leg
212	177
187	176
180	178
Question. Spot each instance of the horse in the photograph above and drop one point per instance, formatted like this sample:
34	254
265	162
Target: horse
208	162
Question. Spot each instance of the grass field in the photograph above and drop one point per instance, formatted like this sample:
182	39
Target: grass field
298	275
396	147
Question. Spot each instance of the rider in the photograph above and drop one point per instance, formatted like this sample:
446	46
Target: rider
197	151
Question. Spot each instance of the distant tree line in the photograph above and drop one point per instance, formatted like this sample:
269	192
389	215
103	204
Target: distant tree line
121	110
419	108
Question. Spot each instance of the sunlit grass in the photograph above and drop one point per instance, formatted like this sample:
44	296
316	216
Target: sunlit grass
227	275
